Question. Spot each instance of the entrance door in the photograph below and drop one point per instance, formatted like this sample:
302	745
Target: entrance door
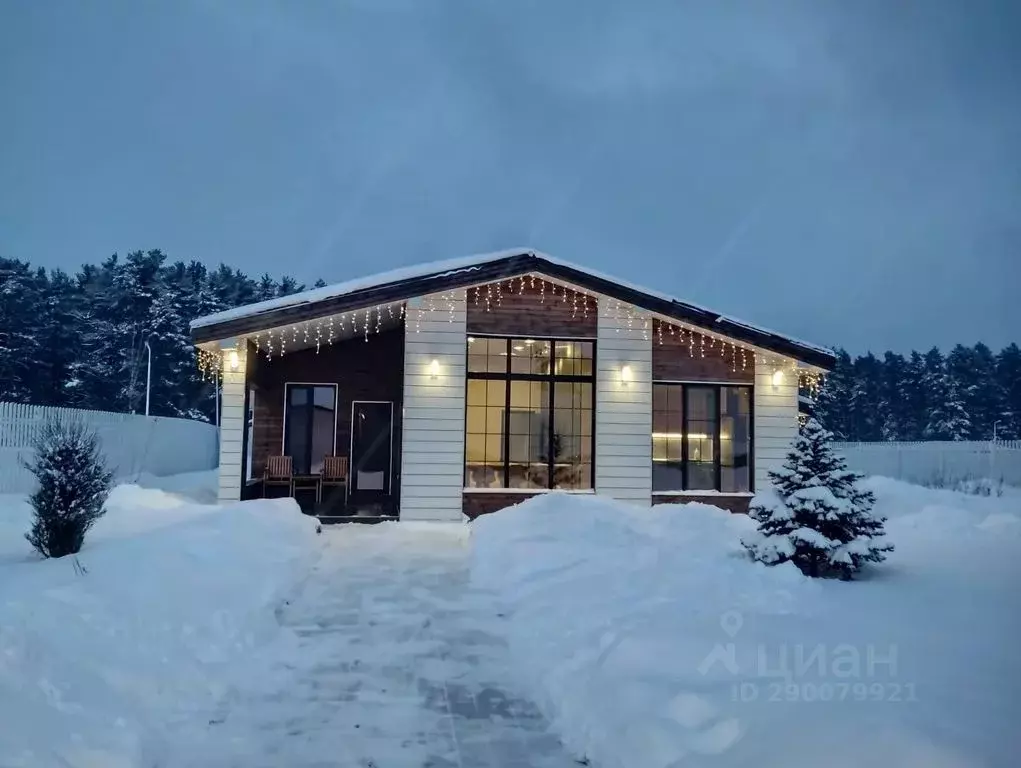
371	445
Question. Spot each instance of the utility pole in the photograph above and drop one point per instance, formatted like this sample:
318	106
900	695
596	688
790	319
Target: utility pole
148	377
995	425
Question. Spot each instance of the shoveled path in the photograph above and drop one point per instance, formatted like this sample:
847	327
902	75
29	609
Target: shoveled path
395	661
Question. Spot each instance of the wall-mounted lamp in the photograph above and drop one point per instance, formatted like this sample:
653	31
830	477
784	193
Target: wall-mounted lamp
434	369
777	378
625	375
232	360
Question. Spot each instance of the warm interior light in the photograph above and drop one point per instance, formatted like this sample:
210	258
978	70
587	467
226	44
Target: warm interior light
529	341
232	360
625	375
777	378
434	368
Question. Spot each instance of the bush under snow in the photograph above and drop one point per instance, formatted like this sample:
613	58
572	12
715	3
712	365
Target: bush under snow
650	640
100	668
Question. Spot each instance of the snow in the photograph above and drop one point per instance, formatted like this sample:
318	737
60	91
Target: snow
649	640
100	664
568	626
447	267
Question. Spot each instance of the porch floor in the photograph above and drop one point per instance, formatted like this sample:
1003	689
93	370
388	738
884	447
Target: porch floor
396	662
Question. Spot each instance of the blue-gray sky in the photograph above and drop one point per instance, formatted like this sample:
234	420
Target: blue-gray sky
848	171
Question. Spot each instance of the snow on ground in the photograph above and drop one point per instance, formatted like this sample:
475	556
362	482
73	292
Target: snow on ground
99	668
213	636
398	663
649	640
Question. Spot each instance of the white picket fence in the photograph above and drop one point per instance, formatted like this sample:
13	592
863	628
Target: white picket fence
131	444
937	462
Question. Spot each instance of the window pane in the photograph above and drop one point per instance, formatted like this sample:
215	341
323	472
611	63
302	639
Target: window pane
530	356
572	435
666	438
735	439
702	411
573	358
299	395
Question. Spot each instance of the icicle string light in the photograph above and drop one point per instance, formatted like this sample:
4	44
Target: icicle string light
367	321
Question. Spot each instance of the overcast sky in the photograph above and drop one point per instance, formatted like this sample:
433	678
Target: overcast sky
845	171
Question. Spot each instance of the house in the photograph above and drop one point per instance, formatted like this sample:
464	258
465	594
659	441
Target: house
466	386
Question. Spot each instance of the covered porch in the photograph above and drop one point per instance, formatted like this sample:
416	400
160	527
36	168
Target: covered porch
323	422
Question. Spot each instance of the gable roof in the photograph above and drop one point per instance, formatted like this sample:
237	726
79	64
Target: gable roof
433	277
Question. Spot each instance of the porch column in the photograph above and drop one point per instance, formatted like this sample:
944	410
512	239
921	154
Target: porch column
432	453
232	419
623	406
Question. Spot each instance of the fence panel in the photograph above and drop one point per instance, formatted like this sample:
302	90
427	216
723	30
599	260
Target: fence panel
937	462
132	444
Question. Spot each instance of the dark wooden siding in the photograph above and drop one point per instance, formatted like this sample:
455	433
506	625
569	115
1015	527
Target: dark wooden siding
530	312
476	504
737	504
362	370
674	359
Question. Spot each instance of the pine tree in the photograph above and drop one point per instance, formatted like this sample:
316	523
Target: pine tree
866	402
948	419
816	515
1008	383
20	306
914	409
833	406
892	405
73	485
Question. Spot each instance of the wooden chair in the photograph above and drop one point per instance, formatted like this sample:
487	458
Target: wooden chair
279	471
334	473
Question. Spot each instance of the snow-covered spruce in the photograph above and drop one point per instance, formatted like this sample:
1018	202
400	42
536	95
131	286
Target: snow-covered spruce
816	515
73	486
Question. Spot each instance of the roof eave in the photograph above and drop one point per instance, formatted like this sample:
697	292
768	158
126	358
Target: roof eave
512	266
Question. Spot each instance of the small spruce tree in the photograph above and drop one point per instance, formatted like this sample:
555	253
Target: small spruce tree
816	515
73	485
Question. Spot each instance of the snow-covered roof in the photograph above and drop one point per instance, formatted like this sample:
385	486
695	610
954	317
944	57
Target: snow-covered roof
460	269
441	268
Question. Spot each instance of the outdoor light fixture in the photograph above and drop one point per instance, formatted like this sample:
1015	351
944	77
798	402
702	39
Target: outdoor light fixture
233	360
777	378
625	375
434	368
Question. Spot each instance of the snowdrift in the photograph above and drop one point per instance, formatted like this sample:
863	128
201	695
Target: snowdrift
650	640
98	667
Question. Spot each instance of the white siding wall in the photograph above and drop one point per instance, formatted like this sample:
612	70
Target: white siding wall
776	419
432	454
623	412
232	426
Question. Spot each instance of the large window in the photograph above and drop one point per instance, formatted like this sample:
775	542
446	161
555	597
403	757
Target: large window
310	425
701	438
529	413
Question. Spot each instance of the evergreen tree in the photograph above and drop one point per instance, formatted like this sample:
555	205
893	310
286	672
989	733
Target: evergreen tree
59	339
947	418
20	304
892	406
1008	384
73	485
816	515
833	406
866	402
914	403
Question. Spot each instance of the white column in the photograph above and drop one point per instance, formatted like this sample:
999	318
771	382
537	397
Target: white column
776	416
623	407
232	419
432	451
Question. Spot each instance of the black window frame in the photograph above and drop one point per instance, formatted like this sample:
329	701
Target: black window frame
718	387
551	378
